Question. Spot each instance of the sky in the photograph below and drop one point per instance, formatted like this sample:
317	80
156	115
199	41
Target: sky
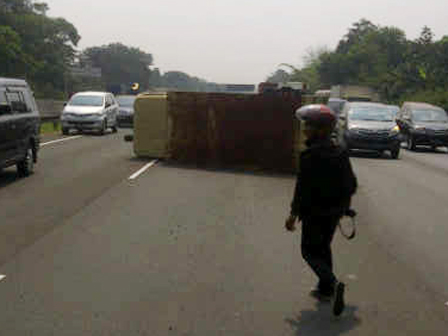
238	41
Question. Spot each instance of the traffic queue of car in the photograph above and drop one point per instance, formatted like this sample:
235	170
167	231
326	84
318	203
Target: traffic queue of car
361	124
20	120
97	111
380	127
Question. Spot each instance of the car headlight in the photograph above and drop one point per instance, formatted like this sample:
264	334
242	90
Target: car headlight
396	129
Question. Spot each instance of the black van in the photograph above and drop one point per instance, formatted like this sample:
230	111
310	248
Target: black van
423	124
19	126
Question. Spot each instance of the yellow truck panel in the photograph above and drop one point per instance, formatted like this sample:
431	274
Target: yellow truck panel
151	126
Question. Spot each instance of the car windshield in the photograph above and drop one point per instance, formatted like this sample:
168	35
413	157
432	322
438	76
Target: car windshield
126	101
394	110
85	100
371	113
430	115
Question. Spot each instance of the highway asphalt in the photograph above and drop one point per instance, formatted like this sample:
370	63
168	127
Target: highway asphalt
85	250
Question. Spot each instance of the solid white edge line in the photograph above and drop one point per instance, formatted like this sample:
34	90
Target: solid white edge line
142	170
2	277
60	140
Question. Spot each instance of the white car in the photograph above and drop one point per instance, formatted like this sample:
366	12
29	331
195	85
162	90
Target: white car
90	111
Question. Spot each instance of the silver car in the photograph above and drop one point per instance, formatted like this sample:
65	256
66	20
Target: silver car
90	111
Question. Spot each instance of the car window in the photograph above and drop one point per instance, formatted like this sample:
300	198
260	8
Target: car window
430	115
17	101
4	105
126	101
27	99
370	113
394	109
86	100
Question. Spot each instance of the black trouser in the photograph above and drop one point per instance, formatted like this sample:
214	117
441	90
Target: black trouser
317	234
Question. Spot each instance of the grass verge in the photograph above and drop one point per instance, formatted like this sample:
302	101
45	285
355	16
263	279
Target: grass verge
50	127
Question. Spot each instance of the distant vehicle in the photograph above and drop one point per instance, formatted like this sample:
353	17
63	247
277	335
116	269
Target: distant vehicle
336	105
125	117
19	126
239	88
423	124
368	126
268	87
354	93
90	111
322	93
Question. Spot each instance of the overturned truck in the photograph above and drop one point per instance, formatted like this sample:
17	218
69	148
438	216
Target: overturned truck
219	130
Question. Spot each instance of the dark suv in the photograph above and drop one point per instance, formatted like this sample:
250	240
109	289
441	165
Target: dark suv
19	126
368	126
423	124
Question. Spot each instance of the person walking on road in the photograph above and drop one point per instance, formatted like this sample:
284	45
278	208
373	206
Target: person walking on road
324	187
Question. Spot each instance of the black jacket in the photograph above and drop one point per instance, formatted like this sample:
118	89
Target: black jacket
325	182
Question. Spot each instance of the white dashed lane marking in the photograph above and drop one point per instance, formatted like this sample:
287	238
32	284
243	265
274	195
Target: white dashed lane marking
2	277
60	140
142	170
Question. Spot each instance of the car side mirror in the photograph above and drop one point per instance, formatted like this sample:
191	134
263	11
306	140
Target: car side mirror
65	103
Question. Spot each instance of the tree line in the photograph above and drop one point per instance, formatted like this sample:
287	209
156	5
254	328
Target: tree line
383	58
43	50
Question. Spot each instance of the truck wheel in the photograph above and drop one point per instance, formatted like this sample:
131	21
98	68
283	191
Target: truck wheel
26	166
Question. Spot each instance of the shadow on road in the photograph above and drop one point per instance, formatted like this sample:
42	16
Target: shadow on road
243	170
321	322
428	150
8	177
369	155
92	133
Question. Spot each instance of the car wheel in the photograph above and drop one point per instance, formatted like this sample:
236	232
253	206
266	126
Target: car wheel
114	129
65	131
433	148
395	153
26	166
411	143
103	127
